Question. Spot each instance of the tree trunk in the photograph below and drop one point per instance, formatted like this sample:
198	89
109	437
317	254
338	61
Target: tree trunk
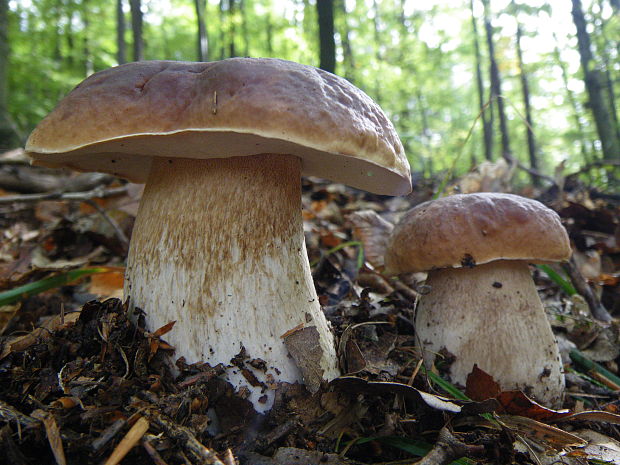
57	13
87	57
121	48
223	29
348	60
245	34
136	26
487	128
496	87
232	28
585	144
203	40
595	88
269	32
378	54
525	89
608	63
8	135
327	43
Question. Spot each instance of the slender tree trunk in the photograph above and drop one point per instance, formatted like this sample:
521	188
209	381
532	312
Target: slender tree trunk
245	34
348	60
223	29
121	47
70	40
378	54
496	87
269	32
8	135
595	88
232	28
89	67
584	141
609	66
203	40
487	129
57	13
136	26
525	89
327	43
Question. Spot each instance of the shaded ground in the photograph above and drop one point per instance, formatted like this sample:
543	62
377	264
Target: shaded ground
79	382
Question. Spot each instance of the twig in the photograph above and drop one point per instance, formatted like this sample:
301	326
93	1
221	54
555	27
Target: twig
448	449
117	230
8	413
108	434
132	438
198	452
596	307
513	161
157	460
53	435
96	193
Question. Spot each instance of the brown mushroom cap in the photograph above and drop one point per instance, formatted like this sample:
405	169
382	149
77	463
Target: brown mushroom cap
468	229
117	119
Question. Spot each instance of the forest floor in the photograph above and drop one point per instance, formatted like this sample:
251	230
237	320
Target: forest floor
81	383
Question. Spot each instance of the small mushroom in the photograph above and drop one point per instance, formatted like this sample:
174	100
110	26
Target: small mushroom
483	307
218	244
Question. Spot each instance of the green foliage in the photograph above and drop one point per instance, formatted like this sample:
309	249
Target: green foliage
415	59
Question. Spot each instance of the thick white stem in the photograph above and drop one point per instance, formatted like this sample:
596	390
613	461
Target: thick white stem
491	315
218	246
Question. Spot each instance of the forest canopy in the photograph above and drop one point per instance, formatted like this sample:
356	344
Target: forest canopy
531	81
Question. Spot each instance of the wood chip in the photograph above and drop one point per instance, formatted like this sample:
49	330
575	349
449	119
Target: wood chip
132	438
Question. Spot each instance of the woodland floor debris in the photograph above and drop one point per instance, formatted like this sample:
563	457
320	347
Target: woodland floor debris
77	376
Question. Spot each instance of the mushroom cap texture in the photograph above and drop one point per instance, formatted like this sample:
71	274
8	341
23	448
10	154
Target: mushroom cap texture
468	229
117	119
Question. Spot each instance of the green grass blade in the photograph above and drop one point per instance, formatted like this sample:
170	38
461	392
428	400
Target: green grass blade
411	446
360	253
445	385
14	295
558	279
589	365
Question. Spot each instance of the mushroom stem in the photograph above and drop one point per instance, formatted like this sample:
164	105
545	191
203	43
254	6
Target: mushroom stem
218	246
491	315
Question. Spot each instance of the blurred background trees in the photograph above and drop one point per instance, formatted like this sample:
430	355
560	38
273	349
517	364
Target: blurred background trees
532	81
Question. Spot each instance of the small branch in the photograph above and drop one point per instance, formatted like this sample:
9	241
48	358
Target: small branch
198	452
513	161
448	449
108	434
133	436
155	457
117	230
596	307
97	193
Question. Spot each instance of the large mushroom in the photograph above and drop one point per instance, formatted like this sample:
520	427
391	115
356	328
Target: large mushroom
483	307
218	243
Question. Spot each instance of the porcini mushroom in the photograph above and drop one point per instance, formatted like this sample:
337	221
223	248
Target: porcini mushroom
483	307
218	243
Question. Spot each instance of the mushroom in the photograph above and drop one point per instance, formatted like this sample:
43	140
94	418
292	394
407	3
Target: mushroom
218	243
483	307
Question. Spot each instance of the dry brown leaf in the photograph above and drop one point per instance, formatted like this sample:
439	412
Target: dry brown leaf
108	285
480	385
557	438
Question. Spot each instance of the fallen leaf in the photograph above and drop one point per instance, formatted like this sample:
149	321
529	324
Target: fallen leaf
480	385
108	285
